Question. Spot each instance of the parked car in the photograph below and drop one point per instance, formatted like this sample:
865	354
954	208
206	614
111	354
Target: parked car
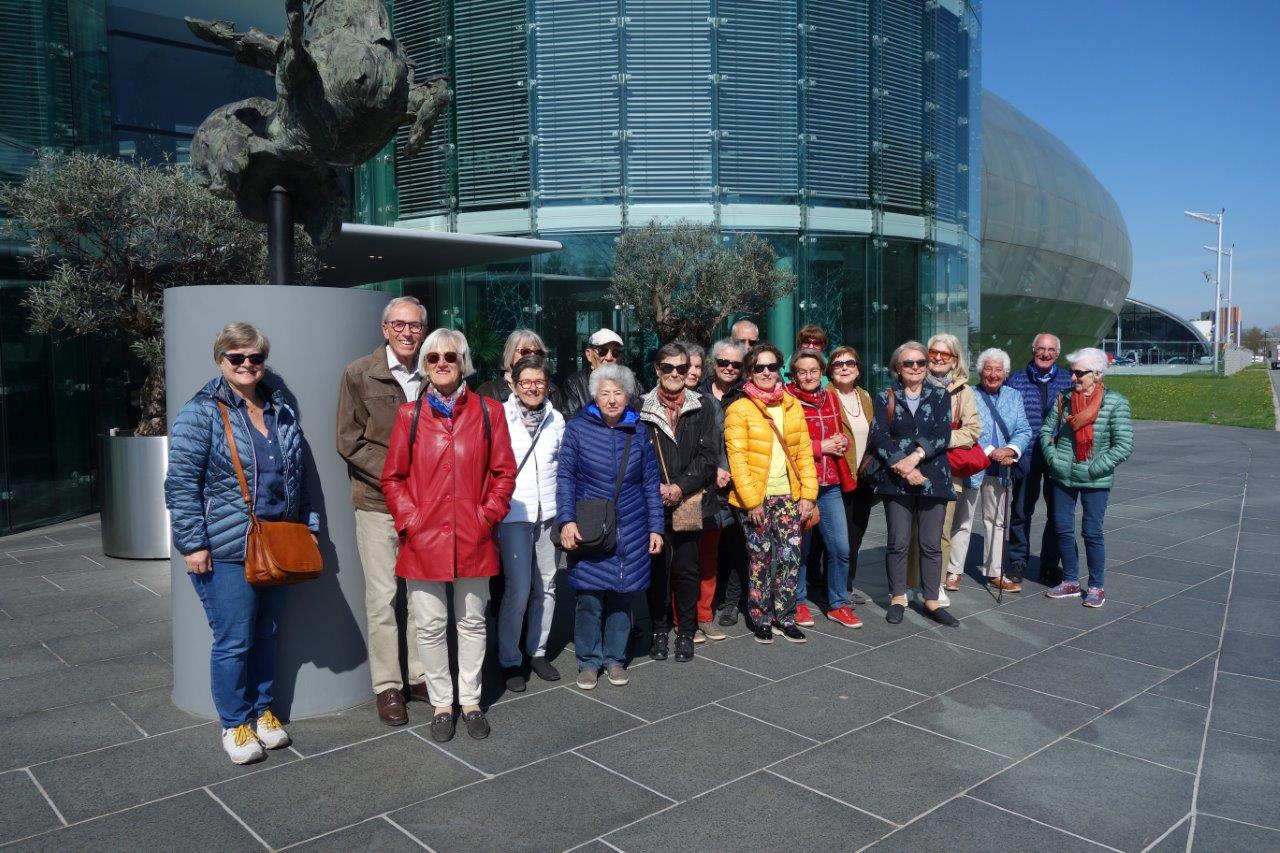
1179	359
1275	363
1123	360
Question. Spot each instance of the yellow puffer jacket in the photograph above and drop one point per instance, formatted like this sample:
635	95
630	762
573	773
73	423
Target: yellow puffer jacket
749	442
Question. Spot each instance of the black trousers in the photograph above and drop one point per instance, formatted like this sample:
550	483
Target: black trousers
928	514
675	572
857	512
733	565
1025	494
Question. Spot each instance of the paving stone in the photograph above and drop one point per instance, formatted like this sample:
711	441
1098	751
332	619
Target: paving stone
965	825
1069	612
138	609
731	817
1246	654
1215	834
1143	642
1239	779
564	801
1256	585
26	660
1263	543
1246	705
64	685
132	640
32	629
1256	561
1193	684
1136	589
1083	676
1183	611
155	712
1256	616
313	735
1000	633
536	727
1175	841
1152	727
46	735
1223	557
1000	717
13	591
200	823
330	791
54	601
923	665
780	658
1167	568
874	631
660	691
373	835
1114	799
25	812
823	703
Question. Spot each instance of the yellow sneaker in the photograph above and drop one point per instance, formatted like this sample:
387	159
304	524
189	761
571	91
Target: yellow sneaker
271	731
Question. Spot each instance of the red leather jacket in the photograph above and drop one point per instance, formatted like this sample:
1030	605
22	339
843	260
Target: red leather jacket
448	505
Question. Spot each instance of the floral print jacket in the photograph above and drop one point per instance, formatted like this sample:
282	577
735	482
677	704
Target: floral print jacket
929	428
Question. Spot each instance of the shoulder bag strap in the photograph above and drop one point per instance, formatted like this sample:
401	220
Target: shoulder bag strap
888	407
786	452
413	426
662	462
622	469
986	398
235	456
537	434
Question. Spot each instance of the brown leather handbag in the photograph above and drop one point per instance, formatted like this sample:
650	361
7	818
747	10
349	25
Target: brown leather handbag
276	553
686	517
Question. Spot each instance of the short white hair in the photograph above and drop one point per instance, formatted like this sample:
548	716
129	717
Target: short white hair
618	374
1089	358
446	337
1057	342
404	300
996	353
719	347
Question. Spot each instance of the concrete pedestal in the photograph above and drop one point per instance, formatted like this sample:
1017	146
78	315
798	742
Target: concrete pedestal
315	332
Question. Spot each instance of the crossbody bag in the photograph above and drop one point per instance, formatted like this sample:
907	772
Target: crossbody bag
815	515
687	515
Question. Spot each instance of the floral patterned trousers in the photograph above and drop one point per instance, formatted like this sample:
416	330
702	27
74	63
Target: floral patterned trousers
773	553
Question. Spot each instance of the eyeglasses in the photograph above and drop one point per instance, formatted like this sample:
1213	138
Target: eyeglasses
844	362
771	367
666	367
434	357
401	325
729	364
749	342
1045	350
940	355
615	351
239	358
914	362
531	384
525	352
1081	374
808	372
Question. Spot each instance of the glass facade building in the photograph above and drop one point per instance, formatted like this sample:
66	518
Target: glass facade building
1147	334
845	131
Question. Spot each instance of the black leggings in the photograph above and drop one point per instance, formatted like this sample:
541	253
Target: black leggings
675	570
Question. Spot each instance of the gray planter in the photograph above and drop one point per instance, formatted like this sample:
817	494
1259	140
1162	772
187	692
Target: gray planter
135	523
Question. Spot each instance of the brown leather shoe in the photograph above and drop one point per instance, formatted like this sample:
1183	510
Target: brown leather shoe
391	707
418	693
1005	584
952	584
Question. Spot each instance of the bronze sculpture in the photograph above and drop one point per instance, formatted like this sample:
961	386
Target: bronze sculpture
343	87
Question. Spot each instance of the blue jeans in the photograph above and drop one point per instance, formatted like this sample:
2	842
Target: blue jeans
597	649
529	568
835	538
242	662
1094	504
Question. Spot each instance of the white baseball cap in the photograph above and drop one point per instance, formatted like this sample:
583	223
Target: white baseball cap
604	336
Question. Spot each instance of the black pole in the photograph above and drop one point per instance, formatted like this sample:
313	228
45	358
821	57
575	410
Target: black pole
279	236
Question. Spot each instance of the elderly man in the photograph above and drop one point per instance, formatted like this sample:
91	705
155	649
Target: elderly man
603	347
1039	383
372	389
745	333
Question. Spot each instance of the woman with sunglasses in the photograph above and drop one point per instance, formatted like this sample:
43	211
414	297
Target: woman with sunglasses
210	522
1085	437
522	343
448	478
844	370
721	543
775	485
909	436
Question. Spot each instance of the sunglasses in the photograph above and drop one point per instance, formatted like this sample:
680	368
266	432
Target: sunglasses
772	367
914	362
603	351
239	358
434	357
727	363
749	342
1080	374
665	368
525	352
845	362
940	355
810	343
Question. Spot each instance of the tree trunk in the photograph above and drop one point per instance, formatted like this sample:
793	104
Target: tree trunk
151	400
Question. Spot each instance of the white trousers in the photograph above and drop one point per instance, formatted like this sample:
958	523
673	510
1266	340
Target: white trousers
376	541
431	611
993	499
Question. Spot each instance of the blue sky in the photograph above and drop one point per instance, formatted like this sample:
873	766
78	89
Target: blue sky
1174	105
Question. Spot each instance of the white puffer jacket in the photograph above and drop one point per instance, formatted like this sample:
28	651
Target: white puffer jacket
535	495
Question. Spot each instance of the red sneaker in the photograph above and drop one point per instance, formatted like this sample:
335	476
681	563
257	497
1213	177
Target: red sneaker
803	617
845	616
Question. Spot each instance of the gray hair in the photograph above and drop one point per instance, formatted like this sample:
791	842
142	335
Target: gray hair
1089	358
961	370
896	359
618	374
718	348
447	337
751	323
997	354
1057	341
240	336
514	340
404	300
694	350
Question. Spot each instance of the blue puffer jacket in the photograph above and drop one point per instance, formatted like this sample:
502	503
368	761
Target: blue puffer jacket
590	456
1038	404
201	490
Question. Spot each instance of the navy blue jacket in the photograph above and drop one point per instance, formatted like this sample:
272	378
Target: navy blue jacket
590	456
201	491
929	428
1038	405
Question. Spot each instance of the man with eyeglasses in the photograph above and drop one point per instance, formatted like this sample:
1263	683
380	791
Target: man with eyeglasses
603	347
1040	383
746	334
373	389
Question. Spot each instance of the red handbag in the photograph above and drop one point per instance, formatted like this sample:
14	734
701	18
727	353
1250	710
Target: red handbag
966	461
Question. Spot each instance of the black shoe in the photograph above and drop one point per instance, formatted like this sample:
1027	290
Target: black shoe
894	614
543	669
514	676
684	647
443	727
856	599
943	617
658	651
790	632
477	725
763	633
1051	577
1017	572
728	617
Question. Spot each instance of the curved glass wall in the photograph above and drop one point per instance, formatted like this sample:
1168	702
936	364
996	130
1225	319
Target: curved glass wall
1144	334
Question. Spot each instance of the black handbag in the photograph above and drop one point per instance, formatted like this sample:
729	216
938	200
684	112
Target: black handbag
598	517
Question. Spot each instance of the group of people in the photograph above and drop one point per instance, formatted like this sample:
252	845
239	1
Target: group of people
717	485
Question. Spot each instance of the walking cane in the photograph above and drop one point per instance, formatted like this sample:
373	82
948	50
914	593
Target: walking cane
1007	482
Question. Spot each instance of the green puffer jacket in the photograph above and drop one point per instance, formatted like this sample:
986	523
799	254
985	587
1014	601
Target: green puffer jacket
1112	443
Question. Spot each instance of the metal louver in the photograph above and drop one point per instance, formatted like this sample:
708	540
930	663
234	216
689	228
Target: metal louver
423	182
901	105
838	62
943	131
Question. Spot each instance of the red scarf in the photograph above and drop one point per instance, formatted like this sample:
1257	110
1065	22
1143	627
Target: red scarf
809	398
769	398
1084	411
671	406
822	416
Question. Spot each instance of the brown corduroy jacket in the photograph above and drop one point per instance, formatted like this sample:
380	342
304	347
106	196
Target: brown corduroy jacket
368	400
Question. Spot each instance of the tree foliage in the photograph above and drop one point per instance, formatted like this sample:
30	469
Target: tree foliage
683	280
108	237
1253	338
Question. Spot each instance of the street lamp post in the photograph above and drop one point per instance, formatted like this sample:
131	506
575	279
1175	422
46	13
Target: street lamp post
1214	219
1230	253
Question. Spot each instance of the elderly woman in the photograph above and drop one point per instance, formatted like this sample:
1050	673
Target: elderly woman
697	364
1005	436
844	370
525	537
949	367
775	485
1086	435
210	521
448	478
910	435
607	455
829	443
812	336
522	343
721	543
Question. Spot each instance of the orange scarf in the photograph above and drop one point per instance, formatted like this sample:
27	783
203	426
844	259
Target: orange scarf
1084	411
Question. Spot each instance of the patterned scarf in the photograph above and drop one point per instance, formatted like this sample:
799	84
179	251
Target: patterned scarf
1084	411
442	404
769	398
532	418
671	405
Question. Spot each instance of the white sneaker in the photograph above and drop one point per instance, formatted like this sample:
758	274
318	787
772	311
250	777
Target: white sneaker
241	744
270	731
942	597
